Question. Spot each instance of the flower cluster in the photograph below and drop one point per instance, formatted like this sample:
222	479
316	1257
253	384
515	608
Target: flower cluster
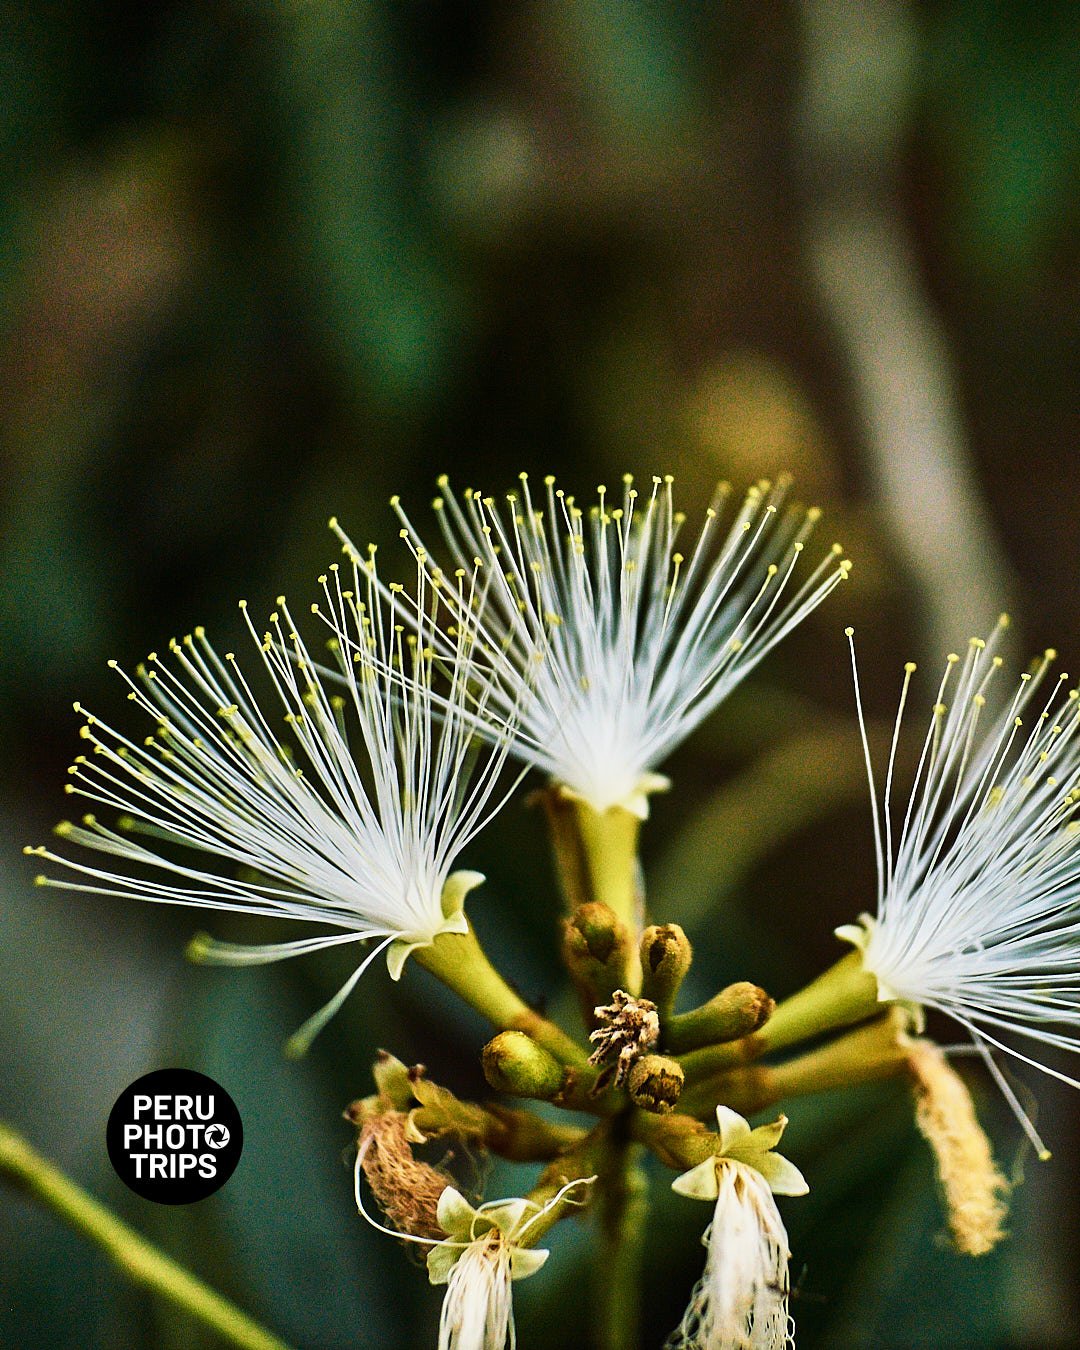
342	791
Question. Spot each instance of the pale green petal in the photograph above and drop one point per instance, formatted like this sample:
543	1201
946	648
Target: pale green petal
732	1127
454	1214
508	1215
457	887
637	802
766	1137
526	1261
441	1260
854	933
699	1183
784	1177
398	953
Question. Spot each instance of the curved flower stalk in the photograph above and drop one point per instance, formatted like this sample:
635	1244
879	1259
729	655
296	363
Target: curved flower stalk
351	815
978	910
637	641
741	1301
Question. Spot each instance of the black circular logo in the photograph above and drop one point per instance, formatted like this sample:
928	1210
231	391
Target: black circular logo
174	1136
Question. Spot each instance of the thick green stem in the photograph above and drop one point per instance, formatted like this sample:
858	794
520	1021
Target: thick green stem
135	1256
461	963
869	1053
609	842
624	1208
846	993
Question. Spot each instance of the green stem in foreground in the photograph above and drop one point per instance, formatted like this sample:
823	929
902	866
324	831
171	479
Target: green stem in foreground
140	1261
461	963
624	1206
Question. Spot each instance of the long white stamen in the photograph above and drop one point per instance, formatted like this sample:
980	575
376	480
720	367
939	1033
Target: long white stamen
349	811
979	898
623	644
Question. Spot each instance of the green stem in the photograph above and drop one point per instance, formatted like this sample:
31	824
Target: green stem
623	1212
135	1256
585	1160
846	993
609	842
871	1052
461	963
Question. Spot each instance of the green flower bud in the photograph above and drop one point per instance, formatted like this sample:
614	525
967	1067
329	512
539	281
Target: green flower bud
513	1063
597	951
665	958
735	1012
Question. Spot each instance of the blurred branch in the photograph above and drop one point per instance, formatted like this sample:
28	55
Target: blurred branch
144	1264
858	62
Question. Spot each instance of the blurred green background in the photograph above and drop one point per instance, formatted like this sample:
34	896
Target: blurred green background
265	262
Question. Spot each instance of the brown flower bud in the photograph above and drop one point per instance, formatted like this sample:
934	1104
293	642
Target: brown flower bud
655	1083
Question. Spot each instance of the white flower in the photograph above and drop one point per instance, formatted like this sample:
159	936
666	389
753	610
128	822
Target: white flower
626	643
485	1250
978	911
482	1255
741	1301
351	815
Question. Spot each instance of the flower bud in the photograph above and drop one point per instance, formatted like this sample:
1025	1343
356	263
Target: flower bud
665	958
737	1011
515	1064
655	1083
597	950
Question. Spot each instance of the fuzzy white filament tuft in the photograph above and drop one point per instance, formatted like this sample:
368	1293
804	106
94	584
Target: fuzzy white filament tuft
741	1301
625	642
978	910
478	1310
349	814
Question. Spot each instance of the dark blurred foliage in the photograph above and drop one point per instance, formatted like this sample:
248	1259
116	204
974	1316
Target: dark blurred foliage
266	262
